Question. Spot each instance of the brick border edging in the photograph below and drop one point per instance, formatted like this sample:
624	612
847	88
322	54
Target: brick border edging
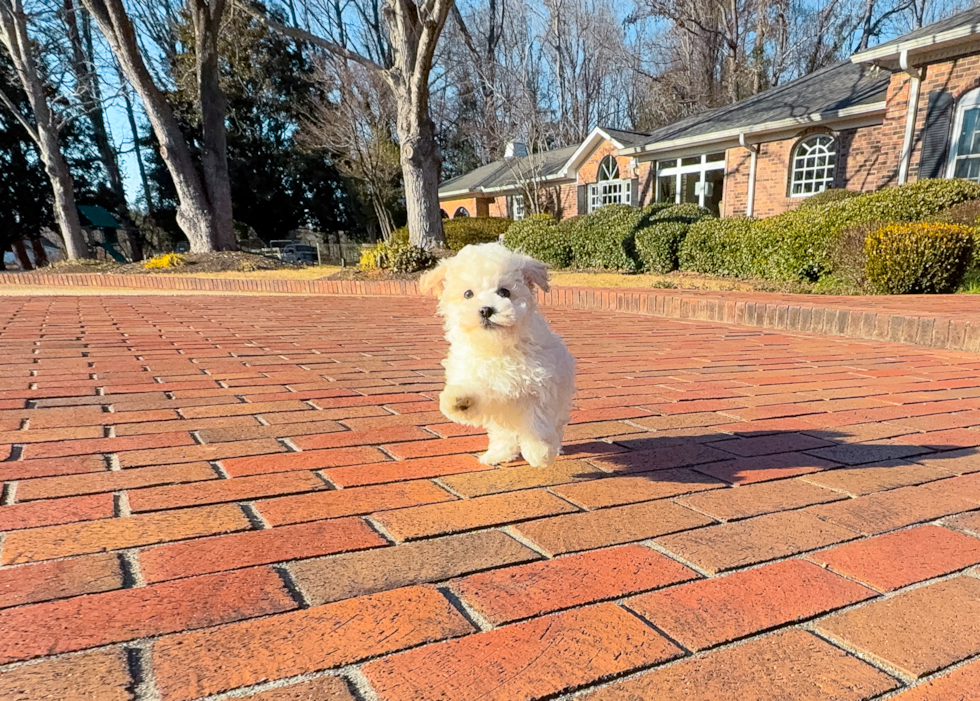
925	330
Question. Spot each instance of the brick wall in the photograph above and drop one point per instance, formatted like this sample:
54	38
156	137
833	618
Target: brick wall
475	206
956	77
859	155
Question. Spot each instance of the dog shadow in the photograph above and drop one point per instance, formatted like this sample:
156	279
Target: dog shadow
756	456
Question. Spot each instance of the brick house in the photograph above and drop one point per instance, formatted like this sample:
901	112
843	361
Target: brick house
905	110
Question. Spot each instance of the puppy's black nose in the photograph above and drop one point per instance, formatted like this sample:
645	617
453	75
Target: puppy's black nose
487	312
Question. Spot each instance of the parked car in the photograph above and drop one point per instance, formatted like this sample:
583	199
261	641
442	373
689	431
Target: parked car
298	253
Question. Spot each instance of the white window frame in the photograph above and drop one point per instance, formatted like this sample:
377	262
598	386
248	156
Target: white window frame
677	170
610	188
518	210
798	167
970	100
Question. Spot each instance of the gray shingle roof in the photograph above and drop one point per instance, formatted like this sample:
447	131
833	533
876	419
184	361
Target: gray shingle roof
509	172
827	90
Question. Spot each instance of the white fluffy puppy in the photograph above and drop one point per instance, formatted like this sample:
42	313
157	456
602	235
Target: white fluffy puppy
506	371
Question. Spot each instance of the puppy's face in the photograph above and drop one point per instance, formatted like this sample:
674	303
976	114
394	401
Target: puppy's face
486	288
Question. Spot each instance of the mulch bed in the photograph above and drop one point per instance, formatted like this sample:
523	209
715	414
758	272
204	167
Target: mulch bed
218	262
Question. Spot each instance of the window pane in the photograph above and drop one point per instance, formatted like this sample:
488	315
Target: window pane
715	180
714	157
689	183
691	161
667	188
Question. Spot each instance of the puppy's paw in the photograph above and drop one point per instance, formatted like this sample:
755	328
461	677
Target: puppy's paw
539	454
456	404
495	455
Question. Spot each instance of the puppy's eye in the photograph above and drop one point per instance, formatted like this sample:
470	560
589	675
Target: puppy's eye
503	292
467	294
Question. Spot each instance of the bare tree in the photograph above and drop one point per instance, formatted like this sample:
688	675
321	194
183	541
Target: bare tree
204	209
357	128
45	128
399	44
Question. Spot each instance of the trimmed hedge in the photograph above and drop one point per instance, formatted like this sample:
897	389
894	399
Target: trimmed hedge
463	231
917	258
661	232
540	237
798	244
718	246
826	197
604	239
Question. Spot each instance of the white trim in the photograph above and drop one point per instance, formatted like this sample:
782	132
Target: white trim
970	100
679	170
705	141
597	135
929	41
911	113
753	164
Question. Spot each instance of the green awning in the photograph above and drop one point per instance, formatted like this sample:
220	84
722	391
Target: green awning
98	217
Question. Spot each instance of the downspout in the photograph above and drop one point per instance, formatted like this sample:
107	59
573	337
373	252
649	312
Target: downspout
911	112
753	158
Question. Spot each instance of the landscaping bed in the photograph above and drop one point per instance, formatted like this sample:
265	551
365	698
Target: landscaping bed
218	262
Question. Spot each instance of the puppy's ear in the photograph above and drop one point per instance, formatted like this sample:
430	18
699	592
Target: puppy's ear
536	273
434	281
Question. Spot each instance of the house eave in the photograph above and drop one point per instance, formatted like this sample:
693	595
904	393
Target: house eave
858	115
941	42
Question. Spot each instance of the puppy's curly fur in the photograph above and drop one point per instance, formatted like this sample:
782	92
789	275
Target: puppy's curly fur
506	371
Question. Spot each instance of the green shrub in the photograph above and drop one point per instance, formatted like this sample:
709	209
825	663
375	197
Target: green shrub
965	214
826	197
411	259
848	259
464	231
539	237
917	258
717	246
661	232
798	244
605	239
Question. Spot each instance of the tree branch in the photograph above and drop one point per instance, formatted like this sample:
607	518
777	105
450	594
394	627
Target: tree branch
8	103
301	35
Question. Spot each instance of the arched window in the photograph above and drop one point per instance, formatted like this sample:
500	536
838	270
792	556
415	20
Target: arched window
461	212
608	169
964	152
609	188
813	166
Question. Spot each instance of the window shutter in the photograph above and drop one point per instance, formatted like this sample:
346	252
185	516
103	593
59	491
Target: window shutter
583	199
935	135
510	206
635	192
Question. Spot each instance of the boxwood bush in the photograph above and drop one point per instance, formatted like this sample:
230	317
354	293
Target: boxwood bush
826	197
604	239
661	232
463	231
540	237
921	257
798	244
718	246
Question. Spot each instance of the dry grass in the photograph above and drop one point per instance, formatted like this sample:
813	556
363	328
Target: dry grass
678	281
314	272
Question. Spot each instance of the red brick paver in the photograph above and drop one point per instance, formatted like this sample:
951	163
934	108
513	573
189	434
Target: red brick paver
258	496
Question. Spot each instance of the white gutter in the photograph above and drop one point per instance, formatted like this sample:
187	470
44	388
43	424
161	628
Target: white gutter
753	158
911	112
759	129
924	42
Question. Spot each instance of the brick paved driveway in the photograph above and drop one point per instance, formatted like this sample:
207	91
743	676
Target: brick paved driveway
257	495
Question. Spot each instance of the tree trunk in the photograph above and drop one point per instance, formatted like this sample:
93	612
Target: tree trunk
21	252
195	215
214	142
420	171
13	32
137	149
40	255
